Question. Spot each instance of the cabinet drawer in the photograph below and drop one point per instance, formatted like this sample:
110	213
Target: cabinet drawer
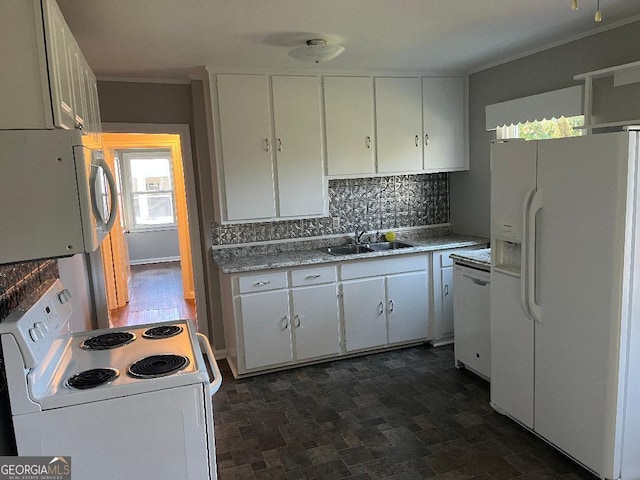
313	276
383	267
261	282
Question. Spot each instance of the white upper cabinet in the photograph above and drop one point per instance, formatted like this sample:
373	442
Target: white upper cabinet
443	124
246	144
348	105
271	159
398	103
298	145
46	88
60	59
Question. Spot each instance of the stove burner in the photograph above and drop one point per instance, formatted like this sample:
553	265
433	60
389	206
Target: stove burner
92	378
157	366
107	341
163	331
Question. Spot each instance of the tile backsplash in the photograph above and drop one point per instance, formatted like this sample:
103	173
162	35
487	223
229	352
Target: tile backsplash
18	280
376	203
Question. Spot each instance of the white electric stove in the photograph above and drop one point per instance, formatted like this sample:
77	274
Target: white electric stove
124	403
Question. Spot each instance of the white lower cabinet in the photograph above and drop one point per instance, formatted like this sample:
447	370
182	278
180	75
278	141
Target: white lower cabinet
365	321
407	307
315	323
281	318
391	308
266	328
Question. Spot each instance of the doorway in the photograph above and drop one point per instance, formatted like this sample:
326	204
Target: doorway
154	170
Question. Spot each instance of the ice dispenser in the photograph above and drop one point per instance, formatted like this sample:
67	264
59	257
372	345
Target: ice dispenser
506	249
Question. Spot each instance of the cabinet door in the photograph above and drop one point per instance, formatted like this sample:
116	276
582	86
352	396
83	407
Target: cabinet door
446	323
399	124
407	307
243	102
81	107
365	320
443	124
315	321
266	328
91	90
59	62
348	105
298	144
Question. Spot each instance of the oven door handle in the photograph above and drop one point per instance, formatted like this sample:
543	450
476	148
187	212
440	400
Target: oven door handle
210	360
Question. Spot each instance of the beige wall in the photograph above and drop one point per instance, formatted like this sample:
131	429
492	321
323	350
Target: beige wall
162	103
548	70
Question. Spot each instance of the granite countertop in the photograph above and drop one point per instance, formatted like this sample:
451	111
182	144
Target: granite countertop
474	258
248	259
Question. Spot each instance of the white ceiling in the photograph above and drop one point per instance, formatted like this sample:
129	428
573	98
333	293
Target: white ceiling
168	38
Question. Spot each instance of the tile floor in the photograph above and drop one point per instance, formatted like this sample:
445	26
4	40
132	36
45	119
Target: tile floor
406	414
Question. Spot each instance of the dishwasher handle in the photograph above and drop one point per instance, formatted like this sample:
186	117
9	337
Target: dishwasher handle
482	283
212	365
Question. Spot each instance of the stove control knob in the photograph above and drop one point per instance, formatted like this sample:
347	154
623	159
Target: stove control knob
41	326
64	296
36	334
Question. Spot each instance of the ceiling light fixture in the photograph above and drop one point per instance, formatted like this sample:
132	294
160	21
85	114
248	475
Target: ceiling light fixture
597	17
316	50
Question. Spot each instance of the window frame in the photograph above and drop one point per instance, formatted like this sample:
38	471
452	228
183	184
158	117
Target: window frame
128	195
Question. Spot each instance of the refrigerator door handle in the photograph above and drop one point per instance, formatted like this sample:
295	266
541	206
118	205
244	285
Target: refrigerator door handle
524	266
536	205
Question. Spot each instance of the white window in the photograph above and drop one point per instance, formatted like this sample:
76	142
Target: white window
543	129
149	196
526	117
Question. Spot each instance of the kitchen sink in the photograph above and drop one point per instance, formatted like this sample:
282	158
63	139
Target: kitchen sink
347	250
381	246
365	248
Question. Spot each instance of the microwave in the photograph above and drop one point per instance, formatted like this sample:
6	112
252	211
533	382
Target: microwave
57	195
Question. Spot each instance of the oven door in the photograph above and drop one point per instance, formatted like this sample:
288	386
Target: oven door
97	189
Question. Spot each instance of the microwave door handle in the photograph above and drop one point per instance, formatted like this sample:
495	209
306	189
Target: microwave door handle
93	194
211	361
113	195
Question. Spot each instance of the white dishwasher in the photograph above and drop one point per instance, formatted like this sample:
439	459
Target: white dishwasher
471	319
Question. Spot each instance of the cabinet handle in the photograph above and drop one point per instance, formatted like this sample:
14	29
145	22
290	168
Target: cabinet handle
279	144
262	284
426	139
380	308
390	306
446	289
417	141
267	145
482	283
286	322
298	322
310	277
368	142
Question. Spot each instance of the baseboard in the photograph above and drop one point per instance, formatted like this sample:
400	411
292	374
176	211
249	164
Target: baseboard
145	261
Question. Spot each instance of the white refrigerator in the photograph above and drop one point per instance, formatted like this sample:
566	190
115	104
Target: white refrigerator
565	295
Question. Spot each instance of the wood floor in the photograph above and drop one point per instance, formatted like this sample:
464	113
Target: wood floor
156	296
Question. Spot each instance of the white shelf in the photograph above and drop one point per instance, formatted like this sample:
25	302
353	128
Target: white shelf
606	72
622	123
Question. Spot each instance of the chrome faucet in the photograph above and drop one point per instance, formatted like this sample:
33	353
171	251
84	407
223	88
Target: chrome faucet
358	235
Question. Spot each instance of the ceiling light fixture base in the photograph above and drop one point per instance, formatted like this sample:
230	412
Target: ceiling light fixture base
316	50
